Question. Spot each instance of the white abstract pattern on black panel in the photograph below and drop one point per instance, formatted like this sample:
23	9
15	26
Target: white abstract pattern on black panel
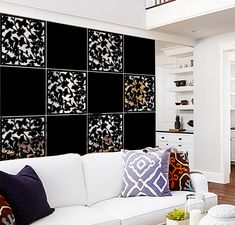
105	133
105	51
66	92
23	137
23	41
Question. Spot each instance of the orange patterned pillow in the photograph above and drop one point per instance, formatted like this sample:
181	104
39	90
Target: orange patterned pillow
179	172
6	214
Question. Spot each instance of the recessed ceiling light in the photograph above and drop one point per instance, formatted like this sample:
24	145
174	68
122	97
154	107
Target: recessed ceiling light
196	31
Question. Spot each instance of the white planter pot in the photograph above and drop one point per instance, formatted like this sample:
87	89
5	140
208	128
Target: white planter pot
175	222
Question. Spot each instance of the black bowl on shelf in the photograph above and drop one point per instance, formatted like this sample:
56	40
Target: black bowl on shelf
177	103
177	83
180	83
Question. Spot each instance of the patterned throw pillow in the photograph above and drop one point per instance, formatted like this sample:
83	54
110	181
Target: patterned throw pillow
6	214
179	172
146	173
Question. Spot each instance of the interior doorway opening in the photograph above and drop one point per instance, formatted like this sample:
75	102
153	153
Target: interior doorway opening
228	111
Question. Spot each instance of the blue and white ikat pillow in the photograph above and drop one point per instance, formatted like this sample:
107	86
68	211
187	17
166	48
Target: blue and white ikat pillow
146	173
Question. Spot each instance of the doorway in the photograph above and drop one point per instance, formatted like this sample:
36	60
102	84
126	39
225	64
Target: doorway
228	110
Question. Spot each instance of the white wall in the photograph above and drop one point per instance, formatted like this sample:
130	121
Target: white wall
184	9
90	23
208	113
232	116
122	12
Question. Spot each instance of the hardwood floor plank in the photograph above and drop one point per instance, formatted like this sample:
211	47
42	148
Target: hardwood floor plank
225	192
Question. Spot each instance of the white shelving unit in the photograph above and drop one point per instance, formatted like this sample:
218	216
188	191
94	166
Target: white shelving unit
181	92
181	107
178	65
183	71
175	64
181	89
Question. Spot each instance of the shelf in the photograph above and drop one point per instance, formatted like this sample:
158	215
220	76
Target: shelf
181	89
232	93
178	51
232	78
182	107
185	70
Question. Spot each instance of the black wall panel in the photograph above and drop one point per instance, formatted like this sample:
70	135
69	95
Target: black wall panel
105	92
139	55
66	47
22	91
139	130
66	134
70	89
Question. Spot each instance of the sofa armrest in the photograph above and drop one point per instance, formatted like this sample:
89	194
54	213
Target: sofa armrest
199	181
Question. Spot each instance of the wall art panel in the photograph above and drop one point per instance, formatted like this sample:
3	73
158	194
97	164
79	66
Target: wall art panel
139	93
105	92
23	41
68	89
22	137
66	134
139	55
139	130
66	47
66	92
105	133
22	91
105	51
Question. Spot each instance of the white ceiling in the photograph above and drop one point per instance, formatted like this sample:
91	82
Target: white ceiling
122	12
208	25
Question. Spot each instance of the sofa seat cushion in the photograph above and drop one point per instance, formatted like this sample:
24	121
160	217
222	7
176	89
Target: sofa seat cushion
78	215
145	210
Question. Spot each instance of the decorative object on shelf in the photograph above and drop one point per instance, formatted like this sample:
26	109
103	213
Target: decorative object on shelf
177	103
192	100
196	206
176	130
177	83
191	62
180	83
184	102
177	217
190	123
222	214
177	122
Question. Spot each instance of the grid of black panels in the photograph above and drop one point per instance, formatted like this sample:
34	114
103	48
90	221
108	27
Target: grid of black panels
72	89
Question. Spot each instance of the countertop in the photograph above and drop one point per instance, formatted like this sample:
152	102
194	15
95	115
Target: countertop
182	132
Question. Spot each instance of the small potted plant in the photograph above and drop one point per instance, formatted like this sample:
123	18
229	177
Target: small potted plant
177	217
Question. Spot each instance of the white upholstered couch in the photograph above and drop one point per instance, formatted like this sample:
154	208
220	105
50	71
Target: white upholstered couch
85	190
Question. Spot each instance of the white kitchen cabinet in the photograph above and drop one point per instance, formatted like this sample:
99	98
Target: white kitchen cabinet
181	141
232	146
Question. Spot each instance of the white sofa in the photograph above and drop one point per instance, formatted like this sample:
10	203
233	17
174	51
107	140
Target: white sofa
85	191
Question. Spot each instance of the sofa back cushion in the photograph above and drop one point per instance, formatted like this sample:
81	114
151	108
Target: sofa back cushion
103	174
62	177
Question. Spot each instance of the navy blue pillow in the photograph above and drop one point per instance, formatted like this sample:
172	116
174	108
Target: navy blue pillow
26	195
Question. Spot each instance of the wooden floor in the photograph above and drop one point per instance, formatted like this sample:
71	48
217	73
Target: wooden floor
226	192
